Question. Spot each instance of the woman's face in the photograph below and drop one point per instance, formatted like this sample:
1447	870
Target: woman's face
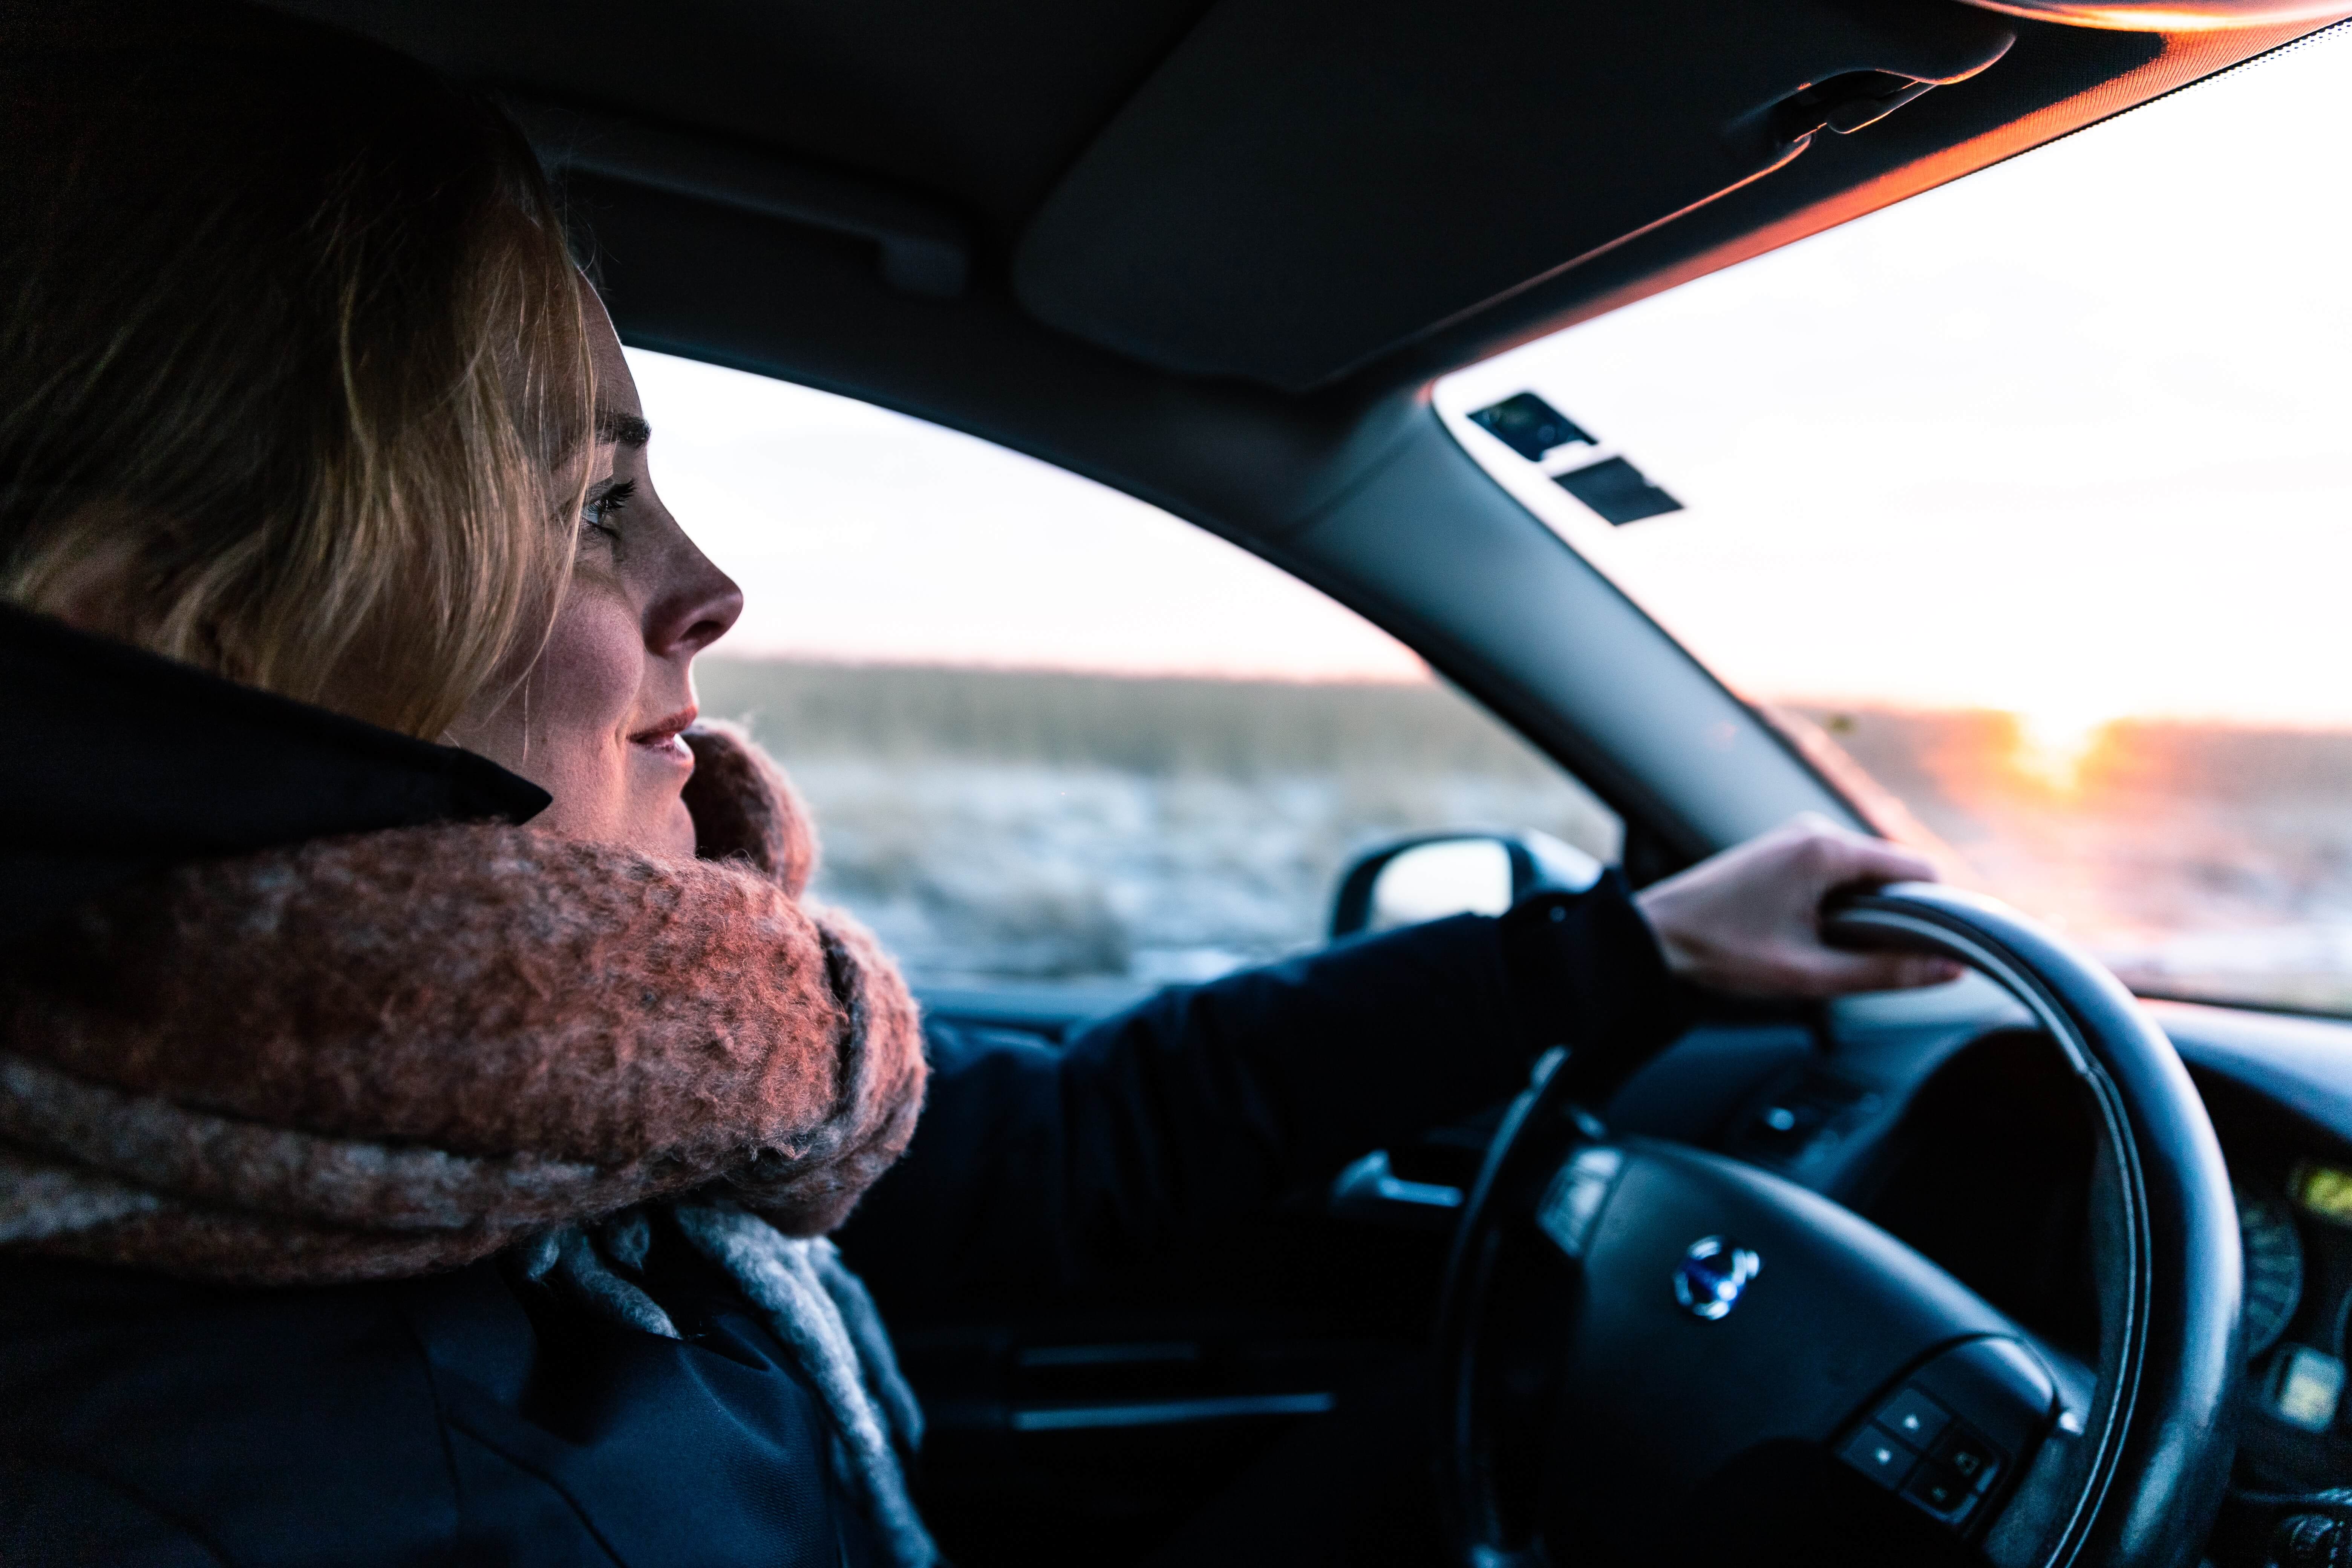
596	722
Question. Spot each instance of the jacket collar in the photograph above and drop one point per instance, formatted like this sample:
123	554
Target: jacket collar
126	763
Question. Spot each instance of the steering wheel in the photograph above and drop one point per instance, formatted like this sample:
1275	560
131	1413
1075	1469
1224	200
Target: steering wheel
1647	1353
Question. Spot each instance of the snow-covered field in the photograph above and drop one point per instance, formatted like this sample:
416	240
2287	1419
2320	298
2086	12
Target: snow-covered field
1000	825
980	870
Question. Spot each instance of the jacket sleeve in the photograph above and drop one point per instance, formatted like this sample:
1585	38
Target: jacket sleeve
1037	1167
60	1517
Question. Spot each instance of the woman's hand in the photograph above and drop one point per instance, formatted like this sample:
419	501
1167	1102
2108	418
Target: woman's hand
1749	921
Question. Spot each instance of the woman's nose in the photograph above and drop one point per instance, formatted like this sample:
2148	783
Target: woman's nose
697	606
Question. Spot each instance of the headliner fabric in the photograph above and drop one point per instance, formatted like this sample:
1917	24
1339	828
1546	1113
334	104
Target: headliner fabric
1308	182
982	101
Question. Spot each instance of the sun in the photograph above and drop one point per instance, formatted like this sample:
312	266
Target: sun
2054	744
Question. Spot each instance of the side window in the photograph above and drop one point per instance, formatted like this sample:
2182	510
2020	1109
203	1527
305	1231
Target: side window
1050	733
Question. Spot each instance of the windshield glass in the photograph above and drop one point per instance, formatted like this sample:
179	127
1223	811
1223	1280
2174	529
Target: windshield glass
2032	496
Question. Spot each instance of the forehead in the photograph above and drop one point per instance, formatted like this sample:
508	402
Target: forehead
616	389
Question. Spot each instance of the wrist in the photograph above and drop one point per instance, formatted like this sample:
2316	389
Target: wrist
1655	905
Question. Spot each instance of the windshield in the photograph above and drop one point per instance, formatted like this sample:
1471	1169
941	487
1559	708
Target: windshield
2032	496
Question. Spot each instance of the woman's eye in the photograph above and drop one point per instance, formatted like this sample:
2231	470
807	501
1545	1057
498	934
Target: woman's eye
599	512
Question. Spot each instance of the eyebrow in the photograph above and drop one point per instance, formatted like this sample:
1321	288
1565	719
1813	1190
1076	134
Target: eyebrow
622	429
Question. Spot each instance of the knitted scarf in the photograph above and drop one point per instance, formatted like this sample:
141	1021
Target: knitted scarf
394	1053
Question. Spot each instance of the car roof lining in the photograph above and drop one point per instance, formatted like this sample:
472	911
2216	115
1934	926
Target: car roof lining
1305	185
981	104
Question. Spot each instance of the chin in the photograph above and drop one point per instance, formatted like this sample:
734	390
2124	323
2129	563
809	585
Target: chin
672	835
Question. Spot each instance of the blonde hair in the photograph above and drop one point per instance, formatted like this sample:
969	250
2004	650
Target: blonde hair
292	358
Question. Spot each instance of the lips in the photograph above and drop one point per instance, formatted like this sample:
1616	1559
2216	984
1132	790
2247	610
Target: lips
662	736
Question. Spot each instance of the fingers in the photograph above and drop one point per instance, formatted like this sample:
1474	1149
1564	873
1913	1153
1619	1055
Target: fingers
1833	973
1857	858
1837	855
1923	969
1876	860
1747	920
1814	973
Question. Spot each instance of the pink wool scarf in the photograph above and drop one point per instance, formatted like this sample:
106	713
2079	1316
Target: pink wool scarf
396	1052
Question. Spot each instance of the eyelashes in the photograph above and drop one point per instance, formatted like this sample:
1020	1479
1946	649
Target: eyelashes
598	512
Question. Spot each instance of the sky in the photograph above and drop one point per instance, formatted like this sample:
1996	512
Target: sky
2071	439
862	535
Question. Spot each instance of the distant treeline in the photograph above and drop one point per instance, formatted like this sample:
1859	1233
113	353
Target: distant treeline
1135	724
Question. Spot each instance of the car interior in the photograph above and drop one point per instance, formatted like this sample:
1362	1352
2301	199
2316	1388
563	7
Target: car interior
1214	254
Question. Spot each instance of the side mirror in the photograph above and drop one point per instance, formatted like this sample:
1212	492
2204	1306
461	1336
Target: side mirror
1433	875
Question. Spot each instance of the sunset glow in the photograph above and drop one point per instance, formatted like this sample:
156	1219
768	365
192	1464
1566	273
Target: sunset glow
2053	747
2136	17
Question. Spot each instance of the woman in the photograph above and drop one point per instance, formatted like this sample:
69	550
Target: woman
423	1092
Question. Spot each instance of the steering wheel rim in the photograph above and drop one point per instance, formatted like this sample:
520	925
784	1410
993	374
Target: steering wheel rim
2141	1484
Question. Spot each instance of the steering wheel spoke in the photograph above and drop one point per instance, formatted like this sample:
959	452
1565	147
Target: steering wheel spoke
1716	1309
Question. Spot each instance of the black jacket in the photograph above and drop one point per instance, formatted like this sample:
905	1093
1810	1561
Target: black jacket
472	1417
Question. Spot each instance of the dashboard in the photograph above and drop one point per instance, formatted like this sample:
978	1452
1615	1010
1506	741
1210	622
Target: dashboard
1945	1118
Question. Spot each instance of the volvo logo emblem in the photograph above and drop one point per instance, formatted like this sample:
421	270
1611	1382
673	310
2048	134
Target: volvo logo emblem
1712	1275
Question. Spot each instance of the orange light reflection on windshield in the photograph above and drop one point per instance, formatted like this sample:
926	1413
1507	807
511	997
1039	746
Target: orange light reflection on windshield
2194	858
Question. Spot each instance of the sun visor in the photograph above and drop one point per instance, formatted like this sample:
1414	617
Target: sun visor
1306	184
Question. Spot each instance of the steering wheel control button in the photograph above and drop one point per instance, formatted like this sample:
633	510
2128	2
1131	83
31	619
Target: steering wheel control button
1572	1204
1712	1277
1968	1456
1801	1117
1914	1417
2305	1388
1941	1490
1880	1457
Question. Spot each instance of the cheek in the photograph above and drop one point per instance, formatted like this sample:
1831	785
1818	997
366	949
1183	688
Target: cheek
567	729
585	684
574	713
